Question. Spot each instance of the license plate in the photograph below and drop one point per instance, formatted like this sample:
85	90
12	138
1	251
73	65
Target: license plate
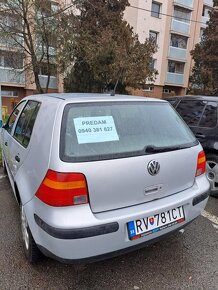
155	223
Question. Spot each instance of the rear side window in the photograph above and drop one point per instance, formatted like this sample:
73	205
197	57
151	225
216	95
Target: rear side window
13	117
191	111
23	130
209	117
98	131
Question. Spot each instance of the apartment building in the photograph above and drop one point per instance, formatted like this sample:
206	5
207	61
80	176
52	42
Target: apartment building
15	82
176	26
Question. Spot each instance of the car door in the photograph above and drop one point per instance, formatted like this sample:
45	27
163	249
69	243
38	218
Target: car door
6	134
22	135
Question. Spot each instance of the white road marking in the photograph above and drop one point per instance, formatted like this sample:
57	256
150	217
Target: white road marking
215	226
2	176
209	216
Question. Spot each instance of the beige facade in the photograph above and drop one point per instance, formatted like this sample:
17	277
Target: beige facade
16	83
176	26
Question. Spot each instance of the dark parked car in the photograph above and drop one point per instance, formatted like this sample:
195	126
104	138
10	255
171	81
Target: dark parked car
200	113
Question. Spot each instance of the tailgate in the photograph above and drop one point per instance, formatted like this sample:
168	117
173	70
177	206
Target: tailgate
125	182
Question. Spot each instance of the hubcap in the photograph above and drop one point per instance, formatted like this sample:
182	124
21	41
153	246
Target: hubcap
24	228
212	174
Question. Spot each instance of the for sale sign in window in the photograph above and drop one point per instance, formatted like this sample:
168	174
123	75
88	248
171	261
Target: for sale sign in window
95	129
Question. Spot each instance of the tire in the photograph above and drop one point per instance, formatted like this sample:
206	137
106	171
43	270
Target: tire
212	173
31	250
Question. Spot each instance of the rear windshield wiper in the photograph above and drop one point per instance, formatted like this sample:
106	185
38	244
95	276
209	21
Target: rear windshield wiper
155	149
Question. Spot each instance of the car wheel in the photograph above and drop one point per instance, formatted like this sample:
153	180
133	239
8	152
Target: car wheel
31	250
212	173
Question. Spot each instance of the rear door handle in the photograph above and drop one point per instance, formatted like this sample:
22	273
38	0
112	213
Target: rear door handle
199	135
17	158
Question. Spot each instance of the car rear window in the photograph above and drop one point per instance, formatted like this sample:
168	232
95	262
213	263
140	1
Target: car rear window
99	131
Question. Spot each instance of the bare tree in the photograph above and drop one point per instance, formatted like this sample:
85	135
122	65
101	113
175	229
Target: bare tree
29	27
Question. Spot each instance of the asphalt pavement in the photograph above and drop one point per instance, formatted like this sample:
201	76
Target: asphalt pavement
187	260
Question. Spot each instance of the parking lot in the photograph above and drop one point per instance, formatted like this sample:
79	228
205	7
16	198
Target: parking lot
188	259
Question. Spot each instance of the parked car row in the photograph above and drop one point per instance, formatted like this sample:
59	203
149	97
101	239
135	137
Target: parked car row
96	176
201	115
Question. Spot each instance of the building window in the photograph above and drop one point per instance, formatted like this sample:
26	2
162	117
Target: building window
153	36
10	94
155	9
178	41
153	64
182	14
206	11
48	69
176	67
167	91
10	22
148	88
46	8
11	59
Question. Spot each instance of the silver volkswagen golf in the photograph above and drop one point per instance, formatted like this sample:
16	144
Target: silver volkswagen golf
96	176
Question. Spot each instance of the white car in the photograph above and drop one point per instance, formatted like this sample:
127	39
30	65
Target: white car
96	176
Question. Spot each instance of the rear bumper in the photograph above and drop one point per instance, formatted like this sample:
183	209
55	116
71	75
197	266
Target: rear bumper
80	233
110	255
76	234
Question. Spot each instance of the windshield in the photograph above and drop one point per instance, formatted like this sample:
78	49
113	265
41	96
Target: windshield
99	131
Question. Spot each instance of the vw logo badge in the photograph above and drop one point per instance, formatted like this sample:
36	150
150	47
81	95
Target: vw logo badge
153	167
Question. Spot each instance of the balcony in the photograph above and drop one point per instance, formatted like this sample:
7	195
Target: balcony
208	3
175	78
185	3
15	77
177	53
52	83
9	42
180	27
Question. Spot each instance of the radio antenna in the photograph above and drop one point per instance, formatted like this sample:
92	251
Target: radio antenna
115	87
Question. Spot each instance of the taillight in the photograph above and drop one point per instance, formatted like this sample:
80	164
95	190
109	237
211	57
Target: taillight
63	189
201	165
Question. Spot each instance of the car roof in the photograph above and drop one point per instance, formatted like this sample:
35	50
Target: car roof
194	97
90	97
